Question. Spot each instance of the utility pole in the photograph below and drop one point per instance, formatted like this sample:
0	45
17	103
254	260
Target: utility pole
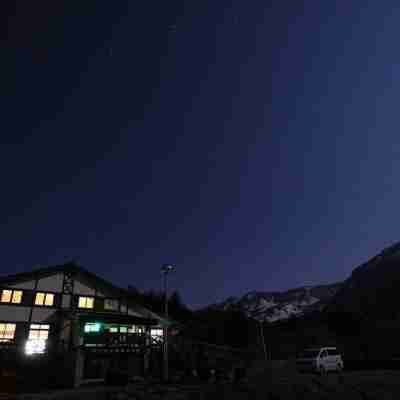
263	340
166	269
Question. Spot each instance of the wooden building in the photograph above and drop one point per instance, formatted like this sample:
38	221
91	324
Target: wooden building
77	324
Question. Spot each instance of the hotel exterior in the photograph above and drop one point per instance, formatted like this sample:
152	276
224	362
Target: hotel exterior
76	323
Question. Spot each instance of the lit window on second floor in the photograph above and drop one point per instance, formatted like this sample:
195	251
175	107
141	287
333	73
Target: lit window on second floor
11	296
111	305
86	302
44	299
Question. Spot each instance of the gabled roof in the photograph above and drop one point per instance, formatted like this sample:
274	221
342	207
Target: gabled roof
72	267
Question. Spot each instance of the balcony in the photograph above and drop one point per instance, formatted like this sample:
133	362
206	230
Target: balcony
114	340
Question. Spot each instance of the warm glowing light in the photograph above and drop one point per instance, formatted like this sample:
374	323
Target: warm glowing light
39	331
7	332
44	299
49	300
39	299
6	296
86	302
17	297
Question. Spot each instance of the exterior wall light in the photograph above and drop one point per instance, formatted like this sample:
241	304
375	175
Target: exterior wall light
35	346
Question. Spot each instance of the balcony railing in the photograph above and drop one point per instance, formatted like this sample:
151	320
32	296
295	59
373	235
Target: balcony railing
115	339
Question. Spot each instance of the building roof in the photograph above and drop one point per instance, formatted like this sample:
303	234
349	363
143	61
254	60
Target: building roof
70	267
74	268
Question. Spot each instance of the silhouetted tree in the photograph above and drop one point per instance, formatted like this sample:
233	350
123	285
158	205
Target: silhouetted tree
155	301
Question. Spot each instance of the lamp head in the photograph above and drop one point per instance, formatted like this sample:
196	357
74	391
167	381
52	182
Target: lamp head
166	268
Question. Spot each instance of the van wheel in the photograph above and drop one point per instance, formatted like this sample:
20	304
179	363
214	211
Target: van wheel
339	368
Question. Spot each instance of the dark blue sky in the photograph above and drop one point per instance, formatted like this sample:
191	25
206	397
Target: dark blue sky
256	146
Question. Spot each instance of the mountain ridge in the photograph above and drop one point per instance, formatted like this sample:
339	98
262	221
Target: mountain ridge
273	306
368	285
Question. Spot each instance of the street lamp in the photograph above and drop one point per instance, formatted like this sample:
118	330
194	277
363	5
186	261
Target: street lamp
262	338
166	269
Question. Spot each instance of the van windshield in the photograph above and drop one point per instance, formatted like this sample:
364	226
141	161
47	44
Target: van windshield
309	354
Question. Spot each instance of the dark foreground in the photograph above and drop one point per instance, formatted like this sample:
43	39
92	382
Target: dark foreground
266	384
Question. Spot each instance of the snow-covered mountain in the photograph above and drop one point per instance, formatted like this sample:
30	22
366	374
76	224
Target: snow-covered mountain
276	306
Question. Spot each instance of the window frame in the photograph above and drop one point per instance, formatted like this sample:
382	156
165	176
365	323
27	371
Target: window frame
93	298
36	345
13	291
3	332
158	336
333	352
124	329
88	325
44	299
113	300
40	329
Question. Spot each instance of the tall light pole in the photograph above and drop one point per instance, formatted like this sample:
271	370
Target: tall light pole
262	338
166	269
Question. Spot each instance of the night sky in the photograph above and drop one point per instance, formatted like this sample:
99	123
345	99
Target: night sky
256	145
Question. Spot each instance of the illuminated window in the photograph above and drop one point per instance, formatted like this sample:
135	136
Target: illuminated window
86	302
7	332
38	335
39	331
136	329
44	299
92	327
16	297
111	304
126	329
157	334
11	296
35	346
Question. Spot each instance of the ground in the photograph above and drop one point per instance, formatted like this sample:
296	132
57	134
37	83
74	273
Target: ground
282	383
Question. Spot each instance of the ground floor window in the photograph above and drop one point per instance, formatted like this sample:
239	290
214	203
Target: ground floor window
103	334
39	331
98	327
7	332
37	339
91	327
126	329
157	334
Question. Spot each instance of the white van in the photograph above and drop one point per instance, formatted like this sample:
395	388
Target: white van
320	359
